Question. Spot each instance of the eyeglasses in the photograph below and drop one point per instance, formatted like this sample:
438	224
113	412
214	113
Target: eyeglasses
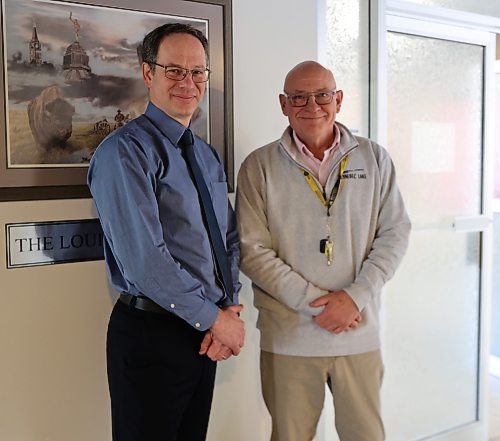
301	99
177	73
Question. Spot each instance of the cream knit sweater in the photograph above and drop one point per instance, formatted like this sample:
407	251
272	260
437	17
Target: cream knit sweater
281	222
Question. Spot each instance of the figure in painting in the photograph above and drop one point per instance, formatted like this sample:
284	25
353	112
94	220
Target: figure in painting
119	119
76	25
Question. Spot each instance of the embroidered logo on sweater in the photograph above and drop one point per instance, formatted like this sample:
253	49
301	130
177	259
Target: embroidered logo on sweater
355	173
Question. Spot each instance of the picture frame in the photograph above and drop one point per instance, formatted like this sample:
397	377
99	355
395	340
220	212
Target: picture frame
71	74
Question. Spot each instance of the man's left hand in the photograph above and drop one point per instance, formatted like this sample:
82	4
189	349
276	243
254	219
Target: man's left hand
213	348
340	313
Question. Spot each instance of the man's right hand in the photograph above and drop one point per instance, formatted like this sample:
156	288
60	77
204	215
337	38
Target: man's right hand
229	329
339	313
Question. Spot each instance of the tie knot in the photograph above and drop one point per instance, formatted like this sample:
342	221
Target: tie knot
186	139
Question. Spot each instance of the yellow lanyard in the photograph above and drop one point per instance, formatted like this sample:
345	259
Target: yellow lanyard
321	194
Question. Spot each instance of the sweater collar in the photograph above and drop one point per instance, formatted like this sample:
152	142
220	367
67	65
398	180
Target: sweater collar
346	143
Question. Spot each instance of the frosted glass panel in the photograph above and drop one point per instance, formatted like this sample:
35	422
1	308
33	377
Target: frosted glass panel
431	338
495	297
435	125
497	136
485	7
347	57
431	307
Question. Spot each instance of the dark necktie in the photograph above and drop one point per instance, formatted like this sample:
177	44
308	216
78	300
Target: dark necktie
219	252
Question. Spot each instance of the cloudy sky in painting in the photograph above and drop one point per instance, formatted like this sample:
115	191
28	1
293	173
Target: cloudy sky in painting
110	37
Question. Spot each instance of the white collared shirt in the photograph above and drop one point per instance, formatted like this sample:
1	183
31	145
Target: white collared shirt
320	169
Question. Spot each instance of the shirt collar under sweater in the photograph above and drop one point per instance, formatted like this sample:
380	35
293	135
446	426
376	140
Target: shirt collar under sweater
321	168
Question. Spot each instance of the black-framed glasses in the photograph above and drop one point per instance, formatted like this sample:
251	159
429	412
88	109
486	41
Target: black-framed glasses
301	99
178	73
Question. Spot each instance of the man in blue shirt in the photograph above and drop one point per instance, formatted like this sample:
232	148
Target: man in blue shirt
174	319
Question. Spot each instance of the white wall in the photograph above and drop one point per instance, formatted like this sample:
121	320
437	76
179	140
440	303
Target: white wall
53	319
269	38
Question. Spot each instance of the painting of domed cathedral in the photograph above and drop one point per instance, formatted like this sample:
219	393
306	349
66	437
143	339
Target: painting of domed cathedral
73	74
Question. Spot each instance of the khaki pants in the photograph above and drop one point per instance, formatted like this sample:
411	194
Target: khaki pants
294	391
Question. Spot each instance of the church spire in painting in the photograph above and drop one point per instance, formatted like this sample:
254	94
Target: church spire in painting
35	47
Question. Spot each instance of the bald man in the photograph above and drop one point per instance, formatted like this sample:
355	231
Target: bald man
323	227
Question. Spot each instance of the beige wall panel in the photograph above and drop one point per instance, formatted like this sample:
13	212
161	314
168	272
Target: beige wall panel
52	338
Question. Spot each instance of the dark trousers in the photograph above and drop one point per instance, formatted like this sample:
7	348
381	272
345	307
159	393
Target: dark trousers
161	388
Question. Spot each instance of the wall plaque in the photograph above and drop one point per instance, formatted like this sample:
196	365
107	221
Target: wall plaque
48	243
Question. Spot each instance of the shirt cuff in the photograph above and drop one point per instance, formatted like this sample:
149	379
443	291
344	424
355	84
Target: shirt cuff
205	317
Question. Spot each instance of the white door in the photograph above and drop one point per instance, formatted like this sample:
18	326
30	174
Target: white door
434	321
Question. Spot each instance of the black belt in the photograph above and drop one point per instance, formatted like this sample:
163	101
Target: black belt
142	303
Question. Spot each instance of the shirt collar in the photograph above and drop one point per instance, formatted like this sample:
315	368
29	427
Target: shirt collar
303	148
170	128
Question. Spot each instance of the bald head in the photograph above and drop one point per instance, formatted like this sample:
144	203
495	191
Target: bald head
306	73
311	101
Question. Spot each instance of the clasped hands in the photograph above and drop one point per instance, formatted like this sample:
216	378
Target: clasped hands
226	337
339	314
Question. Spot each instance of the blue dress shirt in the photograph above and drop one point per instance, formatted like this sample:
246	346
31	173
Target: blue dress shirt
156	244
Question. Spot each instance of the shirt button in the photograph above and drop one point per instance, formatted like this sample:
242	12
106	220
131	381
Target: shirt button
172	305
197	325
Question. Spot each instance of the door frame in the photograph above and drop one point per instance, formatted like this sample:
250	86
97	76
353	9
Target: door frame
471	29
495	360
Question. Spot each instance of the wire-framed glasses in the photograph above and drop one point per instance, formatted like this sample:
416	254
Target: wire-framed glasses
301	99
178	73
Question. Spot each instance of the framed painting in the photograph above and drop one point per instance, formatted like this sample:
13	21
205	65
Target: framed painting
72	74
